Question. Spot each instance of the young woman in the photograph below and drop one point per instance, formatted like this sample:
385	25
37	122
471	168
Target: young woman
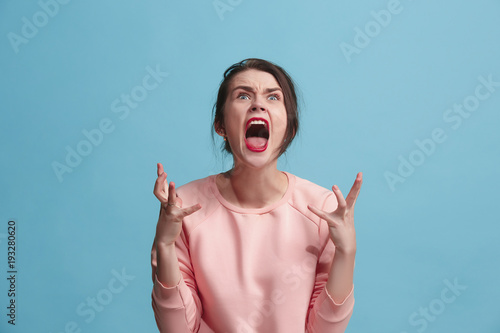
254	249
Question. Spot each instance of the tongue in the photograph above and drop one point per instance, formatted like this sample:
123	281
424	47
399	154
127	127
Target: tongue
256	142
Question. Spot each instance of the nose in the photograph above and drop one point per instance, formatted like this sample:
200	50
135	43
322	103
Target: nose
255	108
258	106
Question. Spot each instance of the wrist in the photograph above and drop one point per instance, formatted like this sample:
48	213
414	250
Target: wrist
164	246
346	251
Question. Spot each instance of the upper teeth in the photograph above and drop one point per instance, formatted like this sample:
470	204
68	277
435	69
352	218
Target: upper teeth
257	122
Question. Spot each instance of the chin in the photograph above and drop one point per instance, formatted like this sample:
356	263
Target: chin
258	160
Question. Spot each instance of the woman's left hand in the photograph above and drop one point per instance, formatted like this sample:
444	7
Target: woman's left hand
341	220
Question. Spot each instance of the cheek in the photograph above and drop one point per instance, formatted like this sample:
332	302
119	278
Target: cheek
232	125
282	122
280	129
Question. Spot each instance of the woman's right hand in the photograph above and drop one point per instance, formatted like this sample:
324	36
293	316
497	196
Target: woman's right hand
171	212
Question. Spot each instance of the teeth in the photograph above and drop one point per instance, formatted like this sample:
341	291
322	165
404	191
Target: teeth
258	122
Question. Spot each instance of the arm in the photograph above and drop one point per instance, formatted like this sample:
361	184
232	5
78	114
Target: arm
175	302
327	314
333	306
167	271
177	308
340	278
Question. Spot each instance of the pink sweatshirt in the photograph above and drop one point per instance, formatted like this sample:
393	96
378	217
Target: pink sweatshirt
252	270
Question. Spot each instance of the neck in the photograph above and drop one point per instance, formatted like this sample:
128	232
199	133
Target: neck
248	187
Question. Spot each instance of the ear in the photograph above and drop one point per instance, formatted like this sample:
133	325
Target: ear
219	129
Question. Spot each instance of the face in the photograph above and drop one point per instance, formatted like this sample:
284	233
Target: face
254	118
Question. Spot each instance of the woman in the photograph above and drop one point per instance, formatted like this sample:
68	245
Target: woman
254	249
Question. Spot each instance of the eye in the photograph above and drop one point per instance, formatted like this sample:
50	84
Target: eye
243	96
274	97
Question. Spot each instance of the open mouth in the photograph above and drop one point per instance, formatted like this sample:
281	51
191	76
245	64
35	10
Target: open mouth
257	134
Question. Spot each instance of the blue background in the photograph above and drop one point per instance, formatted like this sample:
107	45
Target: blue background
361	112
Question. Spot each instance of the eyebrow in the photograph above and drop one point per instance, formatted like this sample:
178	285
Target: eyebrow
247	88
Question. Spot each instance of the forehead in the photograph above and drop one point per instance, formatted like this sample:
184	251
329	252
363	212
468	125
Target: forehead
254	78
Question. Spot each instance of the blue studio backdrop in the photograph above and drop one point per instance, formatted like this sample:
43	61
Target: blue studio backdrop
94	93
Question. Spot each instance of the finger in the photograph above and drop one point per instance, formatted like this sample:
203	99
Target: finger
340	198
159	168
354	192
191	210
159	189
322	214
161	173
171	194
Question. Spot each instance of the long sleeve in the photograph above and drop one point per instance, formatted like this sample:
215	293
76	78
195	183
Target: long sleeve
252	269
324	314
177	309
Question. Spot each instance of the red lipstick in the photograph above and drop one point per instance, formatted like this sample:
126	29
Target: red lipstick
257	142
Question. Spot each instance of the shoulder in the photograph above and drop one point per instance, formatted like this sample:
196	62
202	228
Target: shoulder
307	193
305	190
194	186
199	191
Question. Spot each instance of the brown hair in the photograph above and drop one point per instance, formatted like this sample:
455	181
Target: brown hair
286	84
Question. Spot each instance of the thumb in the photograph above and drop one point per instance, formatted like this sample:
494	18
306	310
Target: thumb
318	212
190	210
